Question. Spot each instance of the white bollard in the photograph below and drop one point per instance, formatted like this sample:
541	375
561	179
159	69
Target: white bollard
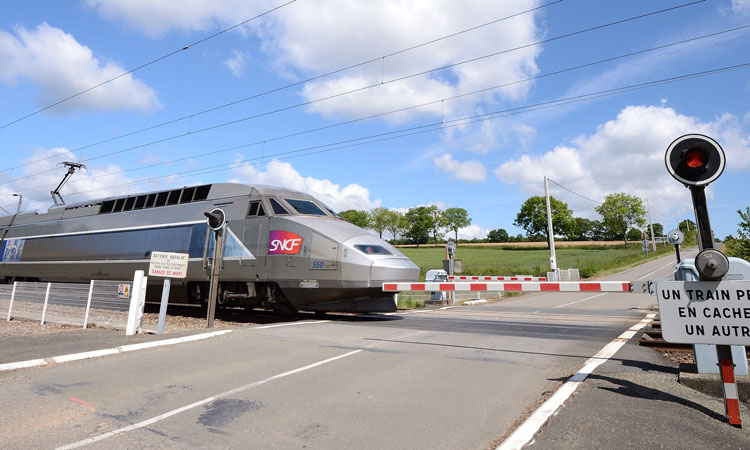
88	304
136	305
12	297
46	299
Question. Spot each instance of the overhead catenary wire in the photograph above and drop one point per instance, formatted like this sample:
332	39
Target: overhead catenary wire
287	86
144	65
573	192
181	135
433	127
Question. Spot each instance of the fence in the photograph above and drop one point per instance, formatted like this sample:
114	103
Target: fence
103	303
564	275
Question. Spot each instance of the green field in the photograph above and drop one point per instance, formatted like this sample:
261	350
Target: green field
589	260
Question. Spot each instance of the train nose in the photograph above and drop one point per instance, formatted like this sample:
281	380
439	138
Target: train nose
393	269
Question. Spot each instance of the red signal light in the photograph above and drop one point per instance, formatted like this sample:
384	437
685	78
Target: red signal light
695	158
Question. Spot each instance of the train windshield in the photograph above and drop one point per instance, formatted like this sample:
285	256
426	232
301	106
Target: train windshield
372	249
305	207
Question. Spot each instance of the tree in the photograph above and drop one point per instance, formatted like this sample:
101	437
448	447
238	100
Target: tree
658	230
634	234
395	223
436	221
357	217
379	220
419	224
740	246
533	217
620	212
499	235
585	229
455	218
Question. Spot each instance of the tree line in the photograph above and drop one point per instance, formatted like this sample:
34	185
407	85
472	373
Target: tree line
623	217
414	226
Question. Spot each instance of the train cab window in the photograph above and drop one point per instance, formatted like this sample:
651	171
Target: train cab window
139	202
256	209
107	207
150	201
187	195
305	207
161	199
372	249
276	207
118	205
129	202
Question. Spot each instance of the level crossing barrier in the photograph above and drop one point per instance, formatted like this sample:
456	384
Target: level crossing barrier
505	286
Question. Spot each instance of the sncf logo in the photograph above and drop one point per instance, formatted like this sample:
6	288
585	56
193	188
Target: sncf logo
283	243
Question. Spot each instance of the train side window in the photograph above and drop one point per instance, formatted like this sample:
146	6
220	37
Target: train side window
139	202
118	205
187	195
253	211
161	199
129	202
276	207
174	197
150	201
261	212
107	207
201	192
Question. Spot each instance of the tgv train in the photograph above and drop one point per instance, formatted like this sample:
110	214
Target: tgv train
283	249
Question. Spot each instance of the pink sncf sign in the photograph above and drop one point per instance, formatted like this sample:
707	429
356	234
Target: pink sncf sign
283	243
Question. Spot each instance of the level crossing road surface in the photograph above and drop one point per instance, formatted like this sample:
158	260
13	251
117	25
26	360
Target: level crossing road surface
440	379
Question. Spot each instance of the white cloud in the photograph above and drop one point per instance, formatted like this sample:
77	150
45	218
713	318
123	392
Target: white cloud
741	6
472	171
626	155
343	33
61	66
277	173
37	180
236	63
470	232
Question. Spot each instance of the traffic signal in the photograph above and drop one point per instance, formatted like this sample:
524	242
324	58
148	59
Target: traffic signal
695	160
215	219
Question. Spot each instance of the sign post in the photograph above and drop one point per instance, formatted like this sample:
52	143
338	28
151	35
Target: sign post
168	265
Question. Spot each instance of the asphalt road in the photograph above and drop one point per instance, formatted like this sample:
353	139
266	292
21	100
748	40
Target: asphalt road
440	379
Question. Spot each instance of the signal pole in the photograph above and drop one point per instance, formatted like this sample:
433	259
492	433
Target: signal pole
651	225
550	231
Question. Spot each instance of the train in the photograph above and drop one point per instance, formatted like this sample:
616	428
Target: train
283	249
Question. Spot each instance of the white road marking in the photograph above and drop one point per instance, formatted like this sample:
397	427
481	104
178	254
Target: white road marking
289	324
108	351
531	426
174	412
579	301
651	273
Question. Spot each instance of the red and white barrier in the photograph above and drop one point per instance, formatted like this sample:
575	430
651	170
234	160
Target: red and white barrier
494	278
543	286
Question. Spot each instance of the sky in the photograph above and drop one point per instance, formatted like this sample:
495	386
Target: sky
389	103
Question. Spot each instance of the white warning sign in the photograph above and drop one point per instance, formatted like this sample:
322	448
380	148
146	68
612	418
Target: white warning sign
705	312
168	264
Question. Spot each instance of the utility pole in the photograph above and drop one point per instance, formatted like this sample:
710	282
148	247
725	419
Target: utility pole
550	231
651	225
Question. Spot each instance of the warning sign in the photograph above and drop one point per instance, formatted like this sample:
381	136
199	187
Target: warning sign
123	291
168	264
705	312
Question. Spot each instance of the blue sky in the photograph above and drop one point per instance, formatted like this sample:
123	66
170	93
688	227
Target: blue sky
433	140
